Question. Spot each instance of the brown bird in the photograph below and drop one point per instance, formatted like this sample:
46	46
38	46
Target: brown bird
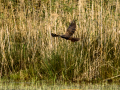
70	31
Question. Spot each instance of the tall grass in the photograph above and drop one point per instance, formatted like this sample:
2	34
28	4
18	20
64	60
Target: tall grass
28	52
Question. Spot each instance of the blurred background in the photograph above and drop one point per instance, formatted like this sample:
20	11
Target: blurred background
28	52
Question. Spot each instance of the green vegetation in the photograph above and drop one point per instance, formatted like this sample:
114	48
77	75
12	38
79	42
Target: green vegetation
44	86
28	52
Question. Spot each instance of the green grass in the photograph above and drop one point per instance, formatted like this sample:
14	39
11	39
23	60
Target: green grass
44	86
28	52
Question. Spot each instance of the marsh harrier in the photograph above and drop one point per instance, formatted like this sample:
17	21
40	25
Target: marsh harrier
70	31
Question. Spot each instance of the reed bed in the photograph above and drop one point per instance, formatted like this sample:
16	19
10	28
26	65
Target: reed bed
28	52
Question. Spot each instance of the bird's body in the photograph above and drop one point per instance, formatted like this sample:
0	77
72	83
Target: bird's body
70	31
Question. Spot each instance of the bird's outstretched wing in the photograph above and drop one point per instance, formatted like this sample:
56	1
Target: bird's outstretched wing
71	29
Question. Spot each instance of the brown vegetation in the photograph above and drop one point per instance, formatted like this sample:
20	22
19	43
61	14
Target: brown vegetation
27	50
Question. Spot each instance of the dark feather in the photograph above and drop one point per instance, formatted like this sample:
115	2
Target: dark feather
55	35
70	31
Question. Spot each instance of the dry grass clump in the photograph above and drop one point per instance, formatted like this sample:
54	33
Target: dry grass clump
27	49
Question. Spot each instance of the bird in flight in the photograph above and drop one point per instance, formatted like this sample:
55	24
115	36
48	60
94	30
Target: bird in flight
70	31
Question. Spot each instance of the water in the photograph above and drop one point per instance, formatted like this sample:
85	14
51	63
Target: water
43	86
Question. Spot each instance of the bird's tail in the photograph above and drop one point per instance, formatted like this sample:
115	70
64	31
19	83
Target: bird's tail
55	35
74	39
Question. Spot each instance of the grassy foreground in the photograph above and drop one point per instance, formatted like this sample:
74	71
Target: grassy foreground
28	52
44	86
